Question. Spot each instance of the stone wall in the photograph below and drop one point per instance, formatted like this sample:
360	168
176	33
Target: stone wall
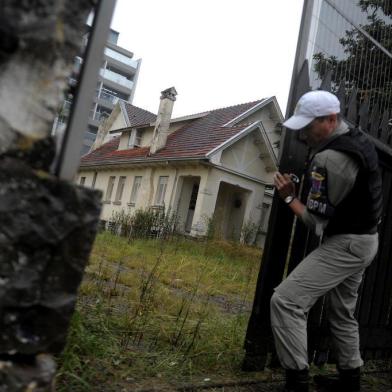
47	226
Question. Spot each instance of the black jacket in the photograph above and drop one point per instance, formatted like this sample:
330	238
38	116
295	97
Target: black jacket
360	211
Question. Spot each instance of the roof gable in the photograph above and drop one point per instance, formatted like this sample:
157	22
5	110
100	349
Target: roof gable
267	151
135	116
248	155
262	103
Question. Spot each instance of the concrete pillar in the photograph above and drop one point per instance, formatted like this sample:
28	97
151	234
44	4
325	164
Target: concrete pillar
205	205
147	188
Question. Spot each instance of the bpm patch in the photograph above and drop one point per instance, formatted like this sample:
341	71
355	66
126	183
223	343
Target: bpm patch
317	201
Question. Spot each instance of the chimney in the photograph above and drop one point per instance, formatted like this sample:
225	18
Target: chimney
162	124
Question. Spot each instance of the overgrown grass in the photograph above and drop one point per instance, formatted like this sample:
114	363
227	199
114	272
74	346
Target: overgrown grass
167	310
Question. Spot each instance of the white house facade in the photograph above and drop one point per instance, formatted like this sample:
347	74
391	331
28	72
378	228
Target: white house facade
214	165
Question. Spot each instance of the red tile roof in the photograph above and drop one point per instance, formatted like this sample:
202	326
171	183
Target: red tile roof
193	140
138	116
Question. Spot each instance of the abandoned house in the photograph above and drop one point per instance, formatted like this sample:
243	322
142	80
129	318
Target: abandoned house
212	165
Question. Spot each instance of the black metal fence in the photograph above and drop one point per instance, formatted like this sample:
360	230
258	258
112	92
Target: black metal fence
289	241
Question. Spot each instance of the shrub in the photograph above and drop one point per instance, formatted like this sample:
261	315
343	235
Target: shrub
248	232
144	223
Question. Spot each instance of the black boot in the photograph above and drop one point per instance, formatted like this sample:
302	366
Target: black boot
347	380
297	381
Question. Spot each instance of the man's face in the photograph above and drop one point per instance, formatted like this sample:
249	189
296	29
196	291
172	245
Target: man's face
318	130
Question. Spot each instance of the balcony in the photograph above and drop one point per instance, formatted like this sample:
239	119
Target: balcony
65	108
121	58
67	105
98	116
116	78
107	97
77	65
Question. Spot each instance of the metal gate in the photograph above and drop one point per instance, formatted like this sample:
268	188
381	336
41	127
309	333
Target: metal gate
289	241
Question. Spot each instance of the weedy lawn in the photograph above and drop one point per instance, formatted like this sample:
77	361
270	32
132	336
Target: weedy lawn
159	311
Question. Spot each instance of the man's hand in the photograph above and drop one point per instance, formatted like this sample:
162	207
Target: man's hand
284	185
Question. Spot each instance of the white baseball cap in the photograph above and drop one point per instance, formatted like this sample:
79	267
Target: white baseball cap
311	105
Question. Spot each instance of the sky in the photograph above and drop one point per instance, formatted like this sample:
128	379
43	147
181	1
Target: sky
216	53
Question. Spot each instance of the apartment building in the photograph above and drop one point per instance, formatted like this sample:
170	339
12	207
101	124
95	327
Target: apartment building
117	81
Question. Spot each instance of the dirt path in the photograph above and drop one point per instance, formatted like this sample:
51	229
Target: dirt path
371	382
233	304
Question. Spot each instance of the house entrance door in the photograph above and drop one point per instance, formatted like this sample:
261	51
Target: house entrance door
191	209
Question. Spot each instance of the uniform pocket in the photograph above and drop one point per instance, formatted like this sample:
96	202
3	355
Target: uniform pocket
364	247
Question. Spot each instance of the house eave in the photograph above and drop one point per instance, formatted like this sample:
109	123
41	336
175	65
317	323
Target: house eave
144	162
233	139
269	146
231	171
129	128
254	109
248	112
123	112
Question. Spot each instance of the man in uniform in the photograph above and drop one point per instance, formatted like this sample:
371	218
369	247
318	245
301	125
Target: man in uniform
344	204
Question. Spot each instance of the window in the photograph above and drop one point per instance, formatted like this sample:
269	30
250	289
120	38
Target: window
101	113
82	180
135	138
110	187
138	137
92	129
161	191
135	189
120	189
130	143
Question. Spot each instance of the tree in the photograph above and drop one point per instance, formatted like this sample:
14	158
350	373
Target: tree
384	5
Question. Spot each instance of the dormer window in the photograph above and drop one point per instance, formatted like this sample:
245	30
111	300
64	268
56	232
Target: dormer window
130	140
138	138
134	138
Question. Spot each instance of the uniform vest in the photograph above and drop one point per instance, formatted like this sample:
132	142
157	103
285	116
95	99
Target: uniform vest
360	211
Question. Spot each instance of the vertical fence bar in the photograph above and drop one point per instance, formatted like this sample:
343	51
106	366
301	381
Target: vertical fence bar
258	340
69	154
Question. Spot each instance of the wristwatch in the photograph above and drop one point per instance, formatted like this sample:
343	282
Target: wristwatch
289	199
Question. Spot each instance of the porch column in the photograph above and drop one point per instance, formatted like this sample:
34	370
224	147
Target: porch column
205	205
147	188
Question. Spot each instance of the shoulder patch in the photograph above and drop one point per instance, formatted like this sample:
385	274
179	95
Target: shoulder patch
317	200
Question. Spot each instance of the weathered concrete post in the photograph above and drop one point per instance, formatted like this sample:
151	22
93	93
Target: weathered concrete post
47	226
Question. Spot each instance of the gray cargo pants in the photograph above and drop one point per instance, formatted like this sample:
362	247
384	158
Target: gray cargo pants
335	268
